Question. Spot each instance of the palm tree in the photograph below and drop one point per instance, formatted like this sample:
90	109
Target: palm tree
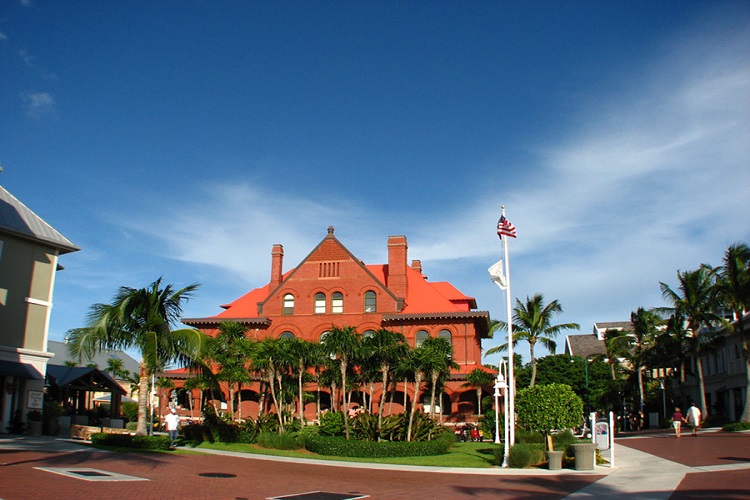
697	299
141	319
232	351
479	378
304	354
438	364
342	343
532	322
413	366
645	323
385	348
267	363
615	347
734	288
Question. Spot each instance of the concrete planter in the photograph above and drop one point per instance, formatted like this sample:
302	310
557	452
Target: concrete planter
585	454
555	460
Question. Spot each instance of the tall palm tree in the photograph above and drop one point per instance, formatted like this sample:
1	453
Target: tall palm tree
413	366
232	351
479	378
304	353
697	299
342	343
645	323
385	348
267	362
142	319
615	348
532	322
438	364
734	289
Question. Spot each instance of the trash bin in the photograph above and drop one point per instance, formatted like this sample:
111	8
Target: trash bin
585	454
554	460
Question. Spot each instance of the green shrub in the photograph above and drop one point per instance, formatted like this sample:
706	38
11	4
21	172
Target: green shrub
340	447
332	423
128	441
563	440
283	441
525	436
129	411
736	427
546	407
523	455
131	426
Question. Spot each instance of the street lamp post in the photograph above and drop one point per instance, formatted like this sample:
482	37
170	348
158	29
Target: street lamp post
502	385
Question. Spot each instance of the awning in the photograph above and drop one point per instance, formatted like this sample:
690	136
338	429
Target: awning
20	370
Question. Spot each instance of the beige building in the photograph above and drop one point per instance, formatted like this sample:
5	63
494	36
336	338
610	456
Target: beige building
29	251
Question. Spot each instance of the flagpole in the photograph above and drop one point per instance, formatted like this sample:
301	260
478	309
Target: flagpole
511	391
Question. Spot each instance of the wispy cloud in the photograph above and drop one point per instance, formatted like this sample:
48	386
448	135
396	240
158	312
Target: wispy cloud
39	104
29	59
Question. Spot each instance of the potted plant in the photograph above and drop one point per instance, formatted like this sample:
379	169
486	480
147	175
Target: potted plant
545	408
34	417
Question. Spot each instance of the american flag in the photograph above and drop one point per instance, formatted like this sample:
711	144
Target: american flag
505	228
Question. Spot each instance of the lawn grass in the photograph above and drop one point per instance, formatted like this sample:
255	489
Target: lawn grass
465	455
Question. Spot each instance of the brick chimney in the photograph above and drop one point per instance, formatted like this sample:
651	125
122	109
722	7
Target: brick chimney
397	249
277	264
417	266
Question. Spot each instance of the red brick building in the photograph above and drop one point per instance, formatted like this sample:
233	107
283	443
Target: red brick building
332	287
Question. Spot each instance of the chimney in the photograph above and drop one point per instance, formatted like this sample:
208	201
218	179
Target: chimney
397	249
277	262
417	266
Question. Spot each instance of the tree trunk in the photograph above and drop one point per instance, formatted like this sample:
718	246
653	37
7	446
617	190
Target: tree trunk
342	366
142	428
432	394
746	356
417	383
301	396
702	388
384	386
479	400
533	364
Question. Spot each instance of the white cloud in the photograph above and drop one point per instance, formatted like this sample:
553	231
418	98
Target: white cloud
39	104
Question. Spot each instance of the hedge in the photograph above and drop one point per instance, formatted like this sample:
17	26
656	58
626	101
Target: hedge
128	441
736	427
340	447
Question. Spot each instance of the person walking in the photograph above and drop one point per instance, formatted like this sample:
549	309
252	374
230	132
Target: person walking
677	419
694	418
173	426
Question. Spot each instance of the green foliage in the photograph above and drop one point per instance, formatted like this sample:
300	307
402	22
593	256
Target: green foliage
131	426
545	408
736	427
282	441
338	446
365	427
128	441
130	411
523	455
563	440
332	423
527	436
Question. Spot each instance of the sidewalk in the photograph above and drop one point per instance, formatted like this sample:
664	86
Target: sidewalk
652	466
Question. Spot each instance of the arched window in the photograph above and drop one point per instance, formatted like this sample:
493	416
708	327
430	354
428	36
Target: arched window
287	335
367	333
371	302
337	303
288	304
422	335
446	334
320	303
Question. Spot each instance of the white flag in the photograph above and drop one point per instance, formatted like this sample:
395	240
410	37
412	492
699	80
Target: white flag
497	275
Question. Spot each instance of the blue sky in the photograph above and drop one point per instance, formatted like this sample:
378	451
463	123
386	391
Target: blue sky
184	139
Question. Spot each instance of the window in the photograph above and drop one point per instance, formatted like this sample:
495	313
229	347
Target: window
446	334
287	335
320	303
371	302
368	334
288	304
422	335
337	303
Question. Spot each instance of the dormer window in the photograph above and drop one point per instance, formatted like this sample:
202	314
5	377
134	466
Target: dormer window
337	303
320	303
371	302
288	304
